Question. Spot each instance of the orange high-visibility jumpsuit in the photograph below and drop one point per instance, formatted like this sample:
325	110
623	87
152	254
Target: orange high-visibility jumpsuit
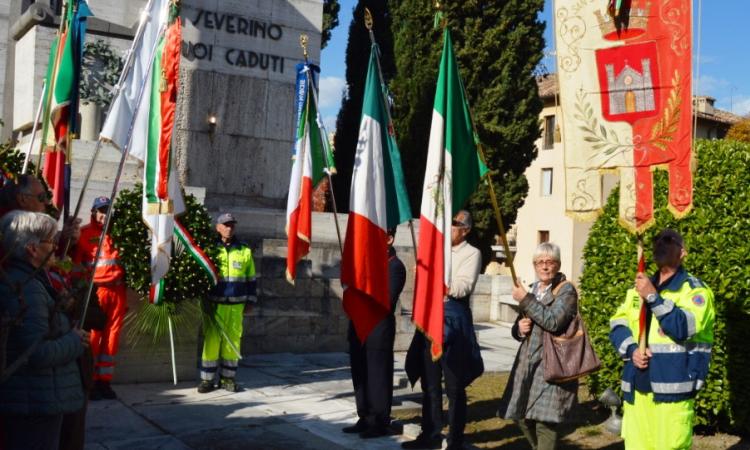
109	277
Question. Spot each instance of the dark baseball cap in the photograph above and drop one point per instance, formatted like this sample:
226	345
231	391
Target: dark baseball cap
101	202
669	236
226	218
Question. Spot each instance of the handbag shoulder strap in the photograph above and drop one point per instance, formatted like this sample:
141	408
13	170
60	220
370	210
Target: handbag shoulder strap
560	285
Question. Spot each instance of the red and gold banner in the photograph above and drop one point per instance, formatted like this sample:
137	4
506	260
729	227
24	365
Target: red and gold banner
625	91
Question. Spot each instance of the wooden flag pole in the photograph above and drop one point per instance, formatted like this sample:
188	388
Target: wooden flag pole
642	330
493	197
496	209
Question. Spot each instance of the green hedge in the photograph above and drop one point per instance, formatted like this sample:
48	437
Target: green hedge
716	233
186	281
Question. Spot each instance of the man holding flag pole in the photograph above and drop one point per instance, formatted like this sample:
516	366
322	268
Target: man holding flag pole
371	273
447	266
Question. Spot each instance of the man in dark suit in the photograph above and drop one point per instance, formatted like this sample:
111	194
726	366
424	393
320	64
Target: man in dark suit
372	363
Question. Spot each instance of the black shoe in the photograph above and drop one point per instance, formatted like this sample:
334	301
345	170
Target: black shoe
358	427
228	384
423	442
205	387
374	432
105	390
94	394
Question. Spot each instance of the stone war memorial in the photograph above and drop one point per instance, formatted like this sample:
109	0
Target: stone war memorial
233	142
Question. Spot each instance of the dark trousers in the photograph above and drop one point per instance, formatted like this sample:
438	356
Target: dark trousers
32	432
372	372
73	433
432	399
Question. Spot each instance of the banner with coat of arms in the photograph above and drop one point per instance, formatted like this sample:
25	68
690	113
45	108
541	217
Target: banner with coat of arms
624	71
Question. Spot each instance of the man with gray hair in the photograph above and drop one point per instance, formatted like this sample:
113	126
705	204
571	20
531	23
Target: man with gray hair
461	362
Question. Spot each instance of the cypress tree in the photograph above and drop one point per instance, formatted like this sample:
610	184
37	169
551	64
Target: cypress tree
498	44
330	20
357	57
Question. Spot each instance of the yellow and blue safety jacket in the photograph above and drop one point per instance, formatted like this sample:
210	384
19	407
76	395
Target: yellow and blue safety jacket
234	261
680	338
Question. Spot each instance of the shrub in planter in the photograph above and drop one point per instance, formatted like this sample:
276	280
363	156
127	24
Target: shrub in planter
186	282
716	236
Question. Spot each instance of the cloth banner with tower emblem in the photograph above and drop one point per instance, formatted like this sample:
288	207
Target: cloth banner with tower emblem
624	71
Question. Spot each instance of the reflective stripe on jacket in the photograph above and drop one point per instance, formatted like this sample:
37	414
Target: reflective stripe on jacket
236	273
680	336
108	268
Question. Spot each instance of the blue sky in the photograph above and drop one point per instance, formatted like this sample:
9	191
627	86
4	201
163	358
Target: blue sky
724	62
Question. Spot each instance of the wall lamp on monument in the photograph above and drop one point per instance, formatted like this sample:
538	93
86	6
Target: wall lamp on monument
211	121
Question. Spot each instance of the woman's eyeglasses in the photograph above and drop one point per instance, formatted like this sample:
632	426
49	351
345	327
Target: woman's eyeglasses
545	262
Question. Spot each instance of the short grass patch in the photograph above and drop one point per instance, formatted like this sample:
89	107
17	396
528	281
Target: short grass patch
484	429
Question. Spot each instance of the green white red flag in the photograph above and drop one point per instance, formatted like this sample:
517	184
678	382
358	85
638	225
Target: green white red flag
311	159
378	201
454	168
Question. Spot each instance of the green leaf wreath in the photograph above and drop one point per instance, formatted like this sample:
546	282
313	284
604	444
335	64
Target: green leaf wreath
186	282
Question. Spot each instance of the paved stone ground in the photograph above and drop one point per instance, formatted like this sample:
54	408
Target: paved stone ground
289	401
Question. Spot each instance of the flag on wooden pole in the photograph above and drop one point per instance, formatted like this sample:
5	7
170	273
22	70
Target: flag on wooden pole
453	171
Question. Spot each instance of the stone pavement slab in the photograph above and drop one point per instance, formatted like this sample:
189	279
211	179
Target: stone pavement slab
288	401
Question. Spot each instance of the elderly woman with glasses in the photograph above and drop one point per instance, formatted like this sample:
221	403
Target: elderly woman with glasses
42	346
537	406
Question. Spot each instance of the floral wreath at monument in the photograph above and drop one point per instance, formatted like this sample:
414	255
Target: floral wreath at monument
186	282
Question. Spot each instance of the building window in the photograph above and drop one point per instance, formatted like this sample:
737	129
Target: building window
549	132
543	236
546	182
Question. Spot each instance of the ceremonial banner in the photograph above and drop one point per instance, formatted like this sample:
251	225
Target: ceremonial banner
453	171
147	102
378	201
624	70
158	206
61	102
307	170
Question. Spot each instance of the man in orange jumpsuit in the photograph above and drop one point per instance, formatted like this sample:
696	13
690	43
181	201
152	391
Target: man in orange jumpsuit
109	278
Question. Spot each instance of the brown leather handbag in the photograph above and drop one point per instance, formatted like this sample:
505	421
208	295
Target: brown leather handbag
568	356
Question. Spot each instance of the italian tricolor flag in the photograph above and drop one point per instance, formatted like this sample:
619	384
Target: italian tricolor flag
378	201
453	171
309	163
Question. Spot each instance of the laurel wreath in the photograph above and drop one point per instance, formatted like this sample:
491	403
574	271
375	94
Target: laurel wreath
601	138
663	132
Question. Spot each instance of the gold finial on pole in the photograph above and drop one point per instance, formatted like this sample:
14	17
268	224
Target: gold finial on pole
368	19
303	43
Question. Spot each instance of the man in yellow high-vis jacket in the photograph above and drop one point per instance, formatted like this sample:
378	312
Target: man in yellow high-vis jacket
659	384
222	322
